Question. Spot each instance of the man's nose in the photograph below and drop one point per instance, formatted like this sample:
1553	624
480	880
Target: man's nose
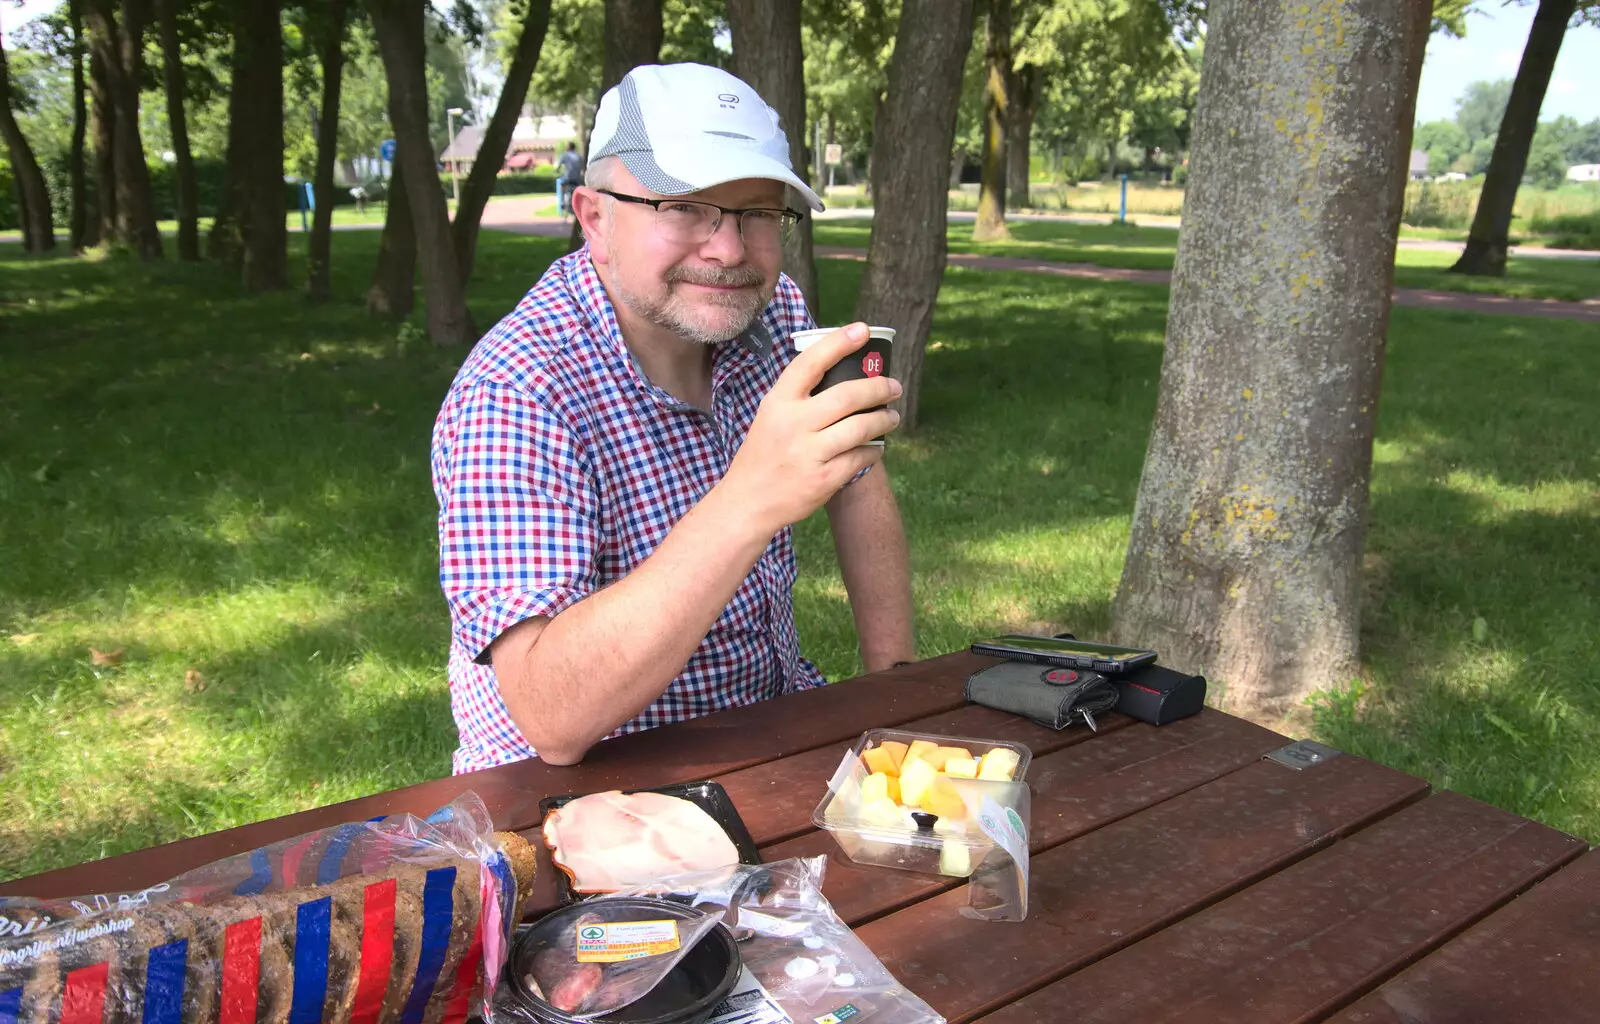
725	245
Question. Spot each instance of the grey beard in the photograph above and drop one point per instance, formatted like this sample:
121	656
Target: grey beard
743	307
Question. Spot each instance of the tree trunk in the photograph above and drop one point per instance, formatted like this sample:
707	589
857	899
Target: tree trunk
991	222
188	195
38	227
393	291
1245	556
911	144
1019	133
1485	253
399	27
105	164
78	230
318	282
255	151
958	163
767	55
633	35
479	186
121	45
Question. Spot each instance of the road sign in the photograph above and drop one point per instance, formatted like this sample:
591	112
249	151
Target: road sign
833	153
387	150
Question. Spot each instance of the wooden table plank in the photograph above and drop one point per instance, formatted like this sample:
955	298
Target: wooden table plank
1533	962
1305	941
775	800
1119	883
697	749
1074	792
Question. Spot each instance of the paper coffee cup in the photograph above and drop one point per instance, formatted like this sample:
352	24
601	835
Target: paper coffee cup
872	359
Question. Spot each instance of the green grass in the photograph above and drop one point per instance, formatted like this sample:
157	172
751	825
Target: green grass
238	486
1154	248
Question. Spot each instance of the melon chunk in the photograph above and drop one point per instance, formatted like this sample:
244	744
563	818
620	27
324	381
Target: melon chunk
998	765
896	751
917	749
942	798
880	761
961	768
916	776
875	787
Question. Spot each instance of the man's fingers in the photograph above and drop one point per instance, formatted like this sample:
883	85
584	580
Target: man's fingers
806	371
857	430
849	397
853	461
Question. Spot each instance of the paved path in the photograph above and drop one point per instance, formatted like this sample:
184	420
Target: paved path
1161	221
1494	305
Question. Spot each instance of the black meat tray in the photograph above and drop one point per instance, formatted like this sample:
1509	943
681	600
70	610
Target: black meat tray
708	796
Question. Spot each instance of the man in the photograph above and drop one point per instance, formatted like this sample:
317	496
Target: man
619	461
569	177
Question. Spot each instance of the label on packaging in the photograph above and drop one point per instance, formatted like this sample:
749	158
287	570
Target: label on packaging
1005	827
625	940
839	1016
749	1003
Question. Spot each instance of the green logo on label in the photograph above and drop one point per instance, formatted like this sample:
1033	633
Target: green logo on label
1016	822
592	932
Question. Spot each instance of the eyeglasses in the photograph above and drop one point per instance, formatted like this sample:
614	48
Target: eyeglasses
688	222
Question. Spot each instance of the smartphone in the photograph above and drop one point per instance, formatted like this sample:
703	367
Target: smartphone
1106	658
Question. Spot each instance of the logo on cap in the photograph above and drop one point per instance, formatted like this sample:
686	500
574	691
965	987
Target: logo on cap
728	99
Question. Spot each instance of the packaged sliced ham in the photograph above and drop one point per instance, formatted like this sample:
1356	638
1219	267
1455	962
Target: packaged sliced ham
397	919
603	842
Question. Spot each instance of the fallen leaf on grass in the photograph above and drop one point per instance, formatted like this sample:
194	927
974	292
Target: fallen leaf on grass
23	639
193	681
109	659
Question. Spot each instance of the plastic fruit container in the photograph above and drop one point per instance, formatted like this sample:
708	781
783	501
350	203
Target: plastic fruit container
914	838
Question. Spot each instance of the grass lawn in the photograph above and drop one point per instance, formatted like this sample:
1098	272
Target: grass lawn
234	492
1153	248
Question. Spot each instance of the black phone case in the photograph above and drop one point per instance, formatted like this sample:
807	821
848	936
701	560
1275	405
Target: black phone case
1063	660
708	796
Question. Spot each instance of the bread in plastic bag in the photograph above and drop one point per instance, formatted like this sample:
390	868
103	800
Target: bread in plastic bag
391	920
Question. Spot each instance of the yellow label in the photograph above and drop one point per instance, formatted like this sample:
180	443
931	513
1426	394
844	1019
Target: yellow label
625	940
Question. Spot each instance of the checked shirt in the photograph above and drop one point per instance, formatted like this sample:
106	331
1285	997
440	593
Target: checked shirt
559	467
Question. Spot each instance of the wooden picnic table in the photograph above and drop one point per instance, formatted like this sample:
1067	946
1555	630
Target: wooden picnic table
1176	873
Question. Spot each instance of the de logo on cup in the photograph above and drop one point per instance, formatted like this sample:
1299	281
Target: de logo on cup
872	359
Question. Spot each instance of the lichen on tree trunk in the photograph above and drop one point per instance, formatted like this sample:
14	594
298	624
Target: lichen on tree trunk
1244	561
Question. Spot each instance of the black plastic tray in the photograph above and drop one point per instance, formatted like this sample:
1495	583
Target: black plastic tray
708	796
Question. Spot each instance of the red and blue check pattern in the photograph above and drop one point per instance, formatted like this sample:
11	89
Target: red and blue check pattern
559	467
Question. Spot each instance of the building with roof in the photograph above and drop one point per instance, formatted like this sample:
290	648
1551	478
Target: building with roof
535	140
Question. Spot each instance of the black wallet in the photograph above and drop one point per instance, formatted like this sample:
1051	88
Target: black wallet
1047	694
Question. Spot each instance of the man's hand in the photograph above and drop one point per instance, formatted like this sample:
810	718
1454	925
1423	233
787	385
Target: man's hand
801	449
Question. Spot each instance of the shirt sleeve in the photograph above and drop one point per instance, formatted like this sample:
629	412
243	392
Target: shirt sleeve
517	513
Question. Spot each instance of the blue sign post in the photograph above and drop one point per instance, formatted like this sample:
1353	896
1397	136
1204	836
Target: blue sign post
387	151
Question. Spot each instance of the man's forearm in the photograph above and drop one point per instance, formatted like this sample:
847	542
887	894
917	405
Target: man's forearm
602	661
871	544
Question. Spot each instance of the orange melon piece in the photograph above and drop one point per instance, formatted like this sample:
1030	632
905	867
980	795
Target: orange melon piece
942	799
879	761
896	750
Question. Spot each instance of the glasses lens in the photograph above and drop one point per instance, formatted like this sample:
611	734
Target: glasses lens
767	228
686	223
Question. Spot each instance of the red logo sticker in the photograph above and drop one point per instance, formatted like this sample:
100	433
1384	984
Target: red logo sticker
1060	675
872	364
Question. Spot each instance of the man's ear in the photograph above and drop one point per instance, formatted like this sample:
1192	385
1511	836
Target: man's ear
589	207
